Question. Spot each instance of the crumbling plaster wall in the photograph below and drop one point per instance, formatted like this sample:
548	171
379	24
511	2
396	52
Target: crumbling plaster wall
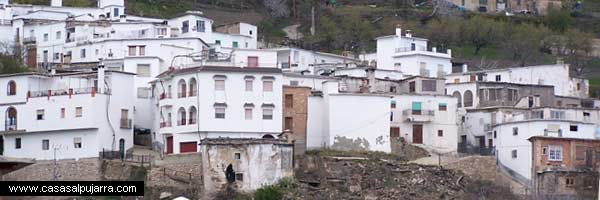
260	164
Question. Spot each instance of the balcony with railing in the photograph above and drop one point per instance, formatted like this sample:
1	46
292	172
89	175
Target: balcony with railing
10	124
418	115
181	94
66	92
191	121
181	122
165	96
126	123
422	49
29	40
165	124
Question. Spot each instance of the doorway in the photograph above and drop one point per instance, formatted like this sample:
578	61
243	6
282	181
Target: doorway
417	133
169	144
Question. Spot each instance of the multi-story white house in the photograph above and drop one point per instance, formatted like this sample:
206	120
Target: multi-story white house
312	62
200	102
410	55
67	115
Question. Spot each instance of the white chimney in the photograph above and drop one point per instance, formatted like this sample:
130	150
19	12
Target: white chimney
56	3
465	68
398	30
408	34
100	78
434	49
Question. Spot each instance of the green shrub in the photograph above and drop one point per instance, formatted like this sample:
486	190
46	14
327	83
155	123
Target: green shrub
268	193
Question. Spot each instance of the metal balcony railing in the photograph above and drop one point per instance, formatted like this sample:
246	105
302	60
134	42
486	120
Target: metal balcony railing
10	124
29	39
165	96
409	112
126	123
165	124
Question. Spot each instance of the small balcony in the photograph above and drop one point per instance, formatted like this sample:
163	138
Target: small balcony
29	40
165	124
181	122
126	123
181	95
10	125
165	96
191	121
418	115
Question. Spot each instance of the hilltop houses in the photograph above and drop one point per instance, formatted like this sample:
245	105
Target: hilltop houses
190	85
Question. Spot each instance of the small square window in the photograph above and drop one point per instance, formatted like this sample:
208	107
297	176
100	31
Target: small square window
239	177
573	128
17	143
78	112
440	133
220	85
237	156
45	144
498	78
40	114
569	182
77	143
544	150
268	114
267	86
220	113
443	107
248	113
515	130
63	113
514	153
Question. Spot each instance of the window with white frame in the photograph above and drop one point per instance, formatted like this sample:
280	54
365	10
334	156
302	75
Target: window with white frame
63	113
219	82
143	70
514	153
58	35
268	84
142	50
249	83
200	26
78	111
220	110
46	37
82	53
77	142
131	51
554	153
45	144
248	113
40	114
557	114
268	111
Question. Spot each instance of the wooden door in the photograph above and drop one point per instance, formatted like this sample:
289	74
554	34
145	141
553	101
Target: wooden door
481	141
418	134
169	144
490	143
185	147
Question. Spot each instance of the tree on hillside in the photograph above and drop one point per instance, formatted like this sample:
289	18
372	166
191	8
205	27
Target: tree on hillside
480	32
442	33
327	33
524	41
558	20
357	36
575	49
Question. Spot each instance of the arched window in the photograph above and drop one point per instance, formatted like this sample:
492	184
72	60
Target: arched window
468	98
182	89
456	94
193	114
11	119
181	114
12	88
193	87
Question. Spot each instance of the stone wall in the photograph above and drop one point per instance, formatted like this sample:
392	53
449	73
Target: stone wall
66	170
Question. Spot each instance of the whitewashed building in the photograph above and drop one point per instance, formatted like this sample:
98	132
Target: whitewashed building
200	102
312	62
410	55
67	115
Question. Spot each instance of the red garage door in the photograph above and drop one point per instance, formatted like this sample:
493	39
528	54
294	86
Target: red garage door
185	147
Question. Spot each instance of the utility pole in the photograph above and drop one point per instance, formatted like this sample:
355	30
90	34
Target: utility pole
55	170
